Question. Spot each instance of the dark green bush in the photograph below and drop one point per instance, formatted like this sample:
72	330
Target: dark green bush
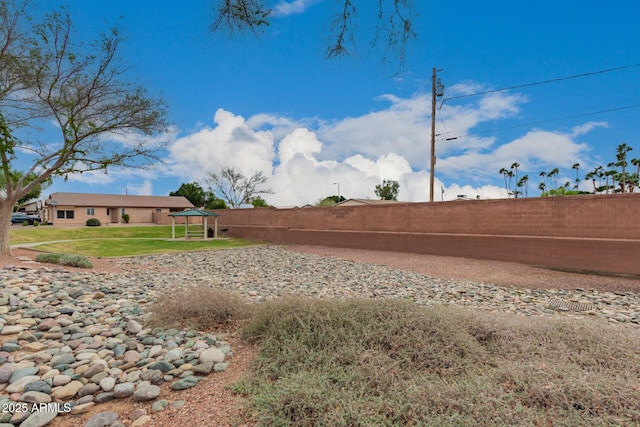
93	222
25	223
125	218
36	223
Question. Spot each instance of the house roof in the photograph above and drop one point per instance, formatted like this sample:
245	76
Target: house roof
118	201
358	202
194	212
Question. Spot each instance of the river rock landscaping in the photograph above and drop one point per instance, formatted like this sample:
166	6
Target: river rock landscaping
72	340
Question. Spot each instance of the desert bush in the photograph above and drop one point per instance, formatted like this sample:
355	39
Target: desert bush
65	259
93	222
199	307
75	261
50	258
365	362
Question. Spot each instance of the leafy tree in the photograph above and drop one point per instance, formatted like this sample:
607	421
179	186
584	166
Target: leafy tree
46	77
214	203
562	191
34	194
394	31
330	201
193	192
388	190
235	188
259	202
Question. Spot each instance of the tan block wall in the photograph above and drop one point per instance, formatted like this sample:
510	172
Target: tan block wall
600	233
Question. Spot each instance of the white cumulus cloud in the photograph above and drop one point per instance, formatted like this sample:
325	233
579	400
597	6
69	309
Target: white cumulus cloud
285	8
306	160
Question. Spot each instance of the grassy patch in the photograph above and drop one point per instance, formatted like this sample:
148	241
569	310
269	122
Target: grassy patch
49	234
363	362
200	307
115	241
128	247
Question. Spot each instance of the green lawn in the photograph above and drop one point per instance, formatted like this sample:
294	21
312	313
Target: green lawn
116	241
19	234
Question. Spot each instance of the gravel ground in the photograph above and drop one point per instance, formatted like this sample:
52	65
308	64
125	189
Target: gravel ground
266	272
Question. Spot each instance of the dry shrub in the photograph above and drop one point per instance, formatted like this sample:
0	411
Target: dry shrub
199	307
366	362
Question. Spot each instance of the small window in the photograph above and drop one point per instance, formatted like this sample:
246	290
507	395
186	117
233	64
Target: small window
69	214
108	211
60	215
123	211
158	210
91	211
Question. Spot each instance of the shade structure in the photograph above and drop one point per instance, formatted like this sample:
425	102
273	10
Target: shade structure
194	213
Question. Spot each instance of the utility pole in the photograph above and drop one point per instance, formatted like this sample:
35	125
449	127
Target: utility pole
437	89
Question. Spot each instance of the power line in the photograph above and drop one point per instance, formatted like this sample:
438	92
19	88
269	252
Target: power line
557	79
627	107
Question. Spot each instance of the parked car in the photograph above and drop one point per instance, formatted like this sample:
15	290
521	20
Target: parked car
20	217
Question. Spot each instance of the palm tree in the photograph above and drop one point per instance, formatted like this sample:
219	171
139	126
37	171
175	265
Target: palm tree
524	183
542	186
600	174
576	166
610	173
636	163
543	175
553	173
634	180
516	165
591	176
503	172
621	155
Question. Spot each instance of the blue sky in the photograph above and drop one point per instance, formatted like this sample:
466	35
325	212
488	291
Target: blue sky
276	105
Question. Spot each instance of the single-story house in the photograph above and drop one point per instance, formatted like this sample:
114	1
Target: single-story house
77	208
364	202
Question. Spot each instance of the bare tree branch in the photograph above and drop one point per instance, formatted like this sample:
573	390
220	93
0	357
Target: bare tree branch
235	188
394	29
240	16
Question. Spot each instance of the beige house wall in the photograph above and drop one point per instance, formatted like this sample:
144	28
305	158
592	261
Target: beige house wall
105	215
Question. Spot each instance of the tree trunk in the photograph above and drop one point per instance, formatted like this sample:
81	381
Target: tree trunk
6	209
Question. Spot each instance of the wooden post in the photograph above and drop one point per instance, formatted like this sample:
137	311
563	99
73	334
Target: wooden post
173	228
